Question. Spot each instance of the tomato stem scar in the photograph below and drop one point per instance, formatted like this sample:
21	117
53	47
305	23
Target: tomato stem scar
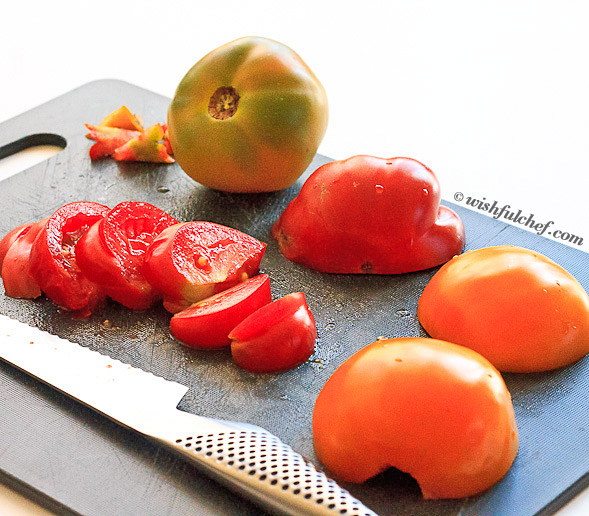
223	103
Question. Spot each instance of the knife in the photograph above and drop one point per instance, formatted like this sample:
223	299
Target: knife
244	457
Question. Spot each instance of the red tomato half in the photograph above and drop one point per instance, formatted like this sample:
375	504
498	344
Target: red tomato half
437	411
207	324
277	337
53	257
112	251
367	215
15	266
10	238
192	261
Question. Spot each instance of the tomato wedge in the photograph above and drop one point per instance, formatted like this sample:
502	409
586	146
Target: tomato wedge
112	251
11	237
277	337
15	265
53	262
192	261
207	324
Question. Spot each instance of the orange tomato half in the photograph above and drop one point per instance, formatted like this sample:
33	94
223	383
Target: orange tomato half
435	410
516	307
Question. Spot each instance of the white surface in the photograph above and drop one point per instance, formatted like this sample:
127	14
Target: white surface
493	96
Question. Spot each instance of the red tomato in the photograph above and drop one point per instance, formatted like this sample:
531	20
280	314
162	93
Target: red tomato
277	337
194	260
112	251
519	309
15	266
10	238
369	215
207	324
437	411
53	257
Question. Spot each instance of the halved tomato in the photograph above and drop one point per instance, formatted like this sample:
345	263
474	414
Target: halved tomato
277	337
53	262
112	251
194	260
207	324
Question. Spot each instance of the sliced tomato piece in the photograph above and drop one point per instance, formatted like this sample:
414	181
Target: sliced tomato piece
108	139
53	262
277	337
123	119
207	324
192	261
15	266
10	238
112	251
146	146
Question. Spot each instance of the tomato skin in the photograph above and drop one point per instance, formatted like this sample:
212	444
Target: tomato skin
53	258
9	239
271	137
17	280
437	411
112	251
207	324
516	307
277	337
385	213
191	261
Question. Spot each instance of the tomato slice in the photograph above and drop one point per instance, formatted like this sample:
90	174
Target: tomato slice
277	337
207	324
192	261
53	262
15	266
112	251
10	238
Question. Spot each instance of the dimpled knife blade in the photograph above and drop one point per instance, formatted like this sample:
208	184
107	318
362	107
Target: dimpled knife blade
264	469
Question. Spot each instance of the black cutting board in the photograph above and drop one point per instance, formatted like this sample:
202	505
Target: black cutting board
74	460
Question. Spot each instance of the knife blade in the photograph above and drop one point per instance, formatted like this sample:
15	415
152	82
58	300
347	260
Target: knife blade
244	457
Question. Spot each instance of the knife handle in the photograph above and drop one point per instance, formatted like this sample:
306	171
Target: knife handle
259	465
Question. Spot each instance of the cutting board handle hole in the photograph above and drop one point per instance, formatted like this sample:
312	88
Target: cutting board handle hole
28	151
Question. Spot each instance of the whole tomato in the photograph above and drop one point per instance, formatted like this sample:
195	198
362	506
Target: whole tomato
516	307
437	411
369	215
248	117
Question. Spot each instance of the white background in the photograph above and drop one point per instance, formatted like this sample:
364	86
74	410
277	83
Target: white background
493	96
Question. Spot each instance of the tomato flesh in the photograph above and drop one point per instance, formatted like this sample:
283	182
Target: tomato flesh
192	261
111	253
277	337
516	307
53	258
16	264
437	411
369	215
207	324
